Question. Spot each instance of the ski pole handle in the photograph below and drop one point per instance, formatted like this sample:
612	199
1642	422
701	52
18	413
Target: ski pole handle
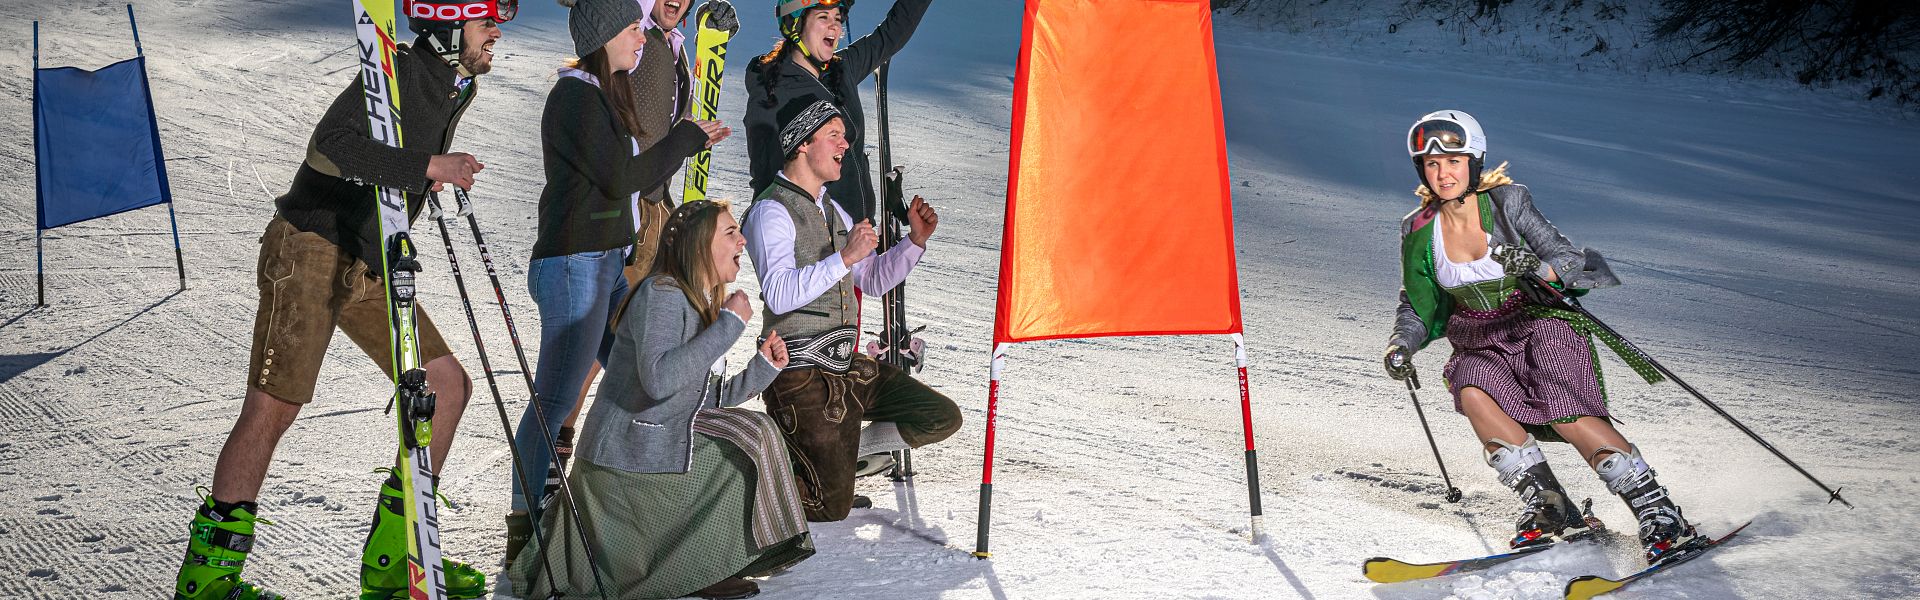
1398	362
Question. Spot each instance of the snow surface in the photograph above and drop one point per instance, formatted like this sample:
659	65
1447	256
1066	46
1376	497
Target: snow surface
1764	232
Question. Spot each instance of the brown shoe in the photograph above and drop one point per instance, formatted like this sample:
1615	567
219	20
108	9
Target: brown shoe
731	588
860	501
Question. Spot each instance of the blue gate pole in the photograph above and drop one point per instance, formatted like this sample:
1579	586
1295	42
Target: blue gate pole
39	244
159	159
136	32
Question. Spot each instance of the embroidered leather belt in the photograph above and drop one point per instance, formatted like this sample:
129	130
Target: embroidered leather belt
832	351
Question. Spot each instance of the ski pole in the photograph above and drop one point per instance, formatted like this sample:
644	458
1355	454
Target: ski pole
486	366
1413	383
1833	495
520	352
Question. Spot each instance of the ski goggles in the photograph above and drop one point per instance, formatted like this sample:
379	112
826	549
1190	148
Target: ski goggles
1437	137
794	6
500	11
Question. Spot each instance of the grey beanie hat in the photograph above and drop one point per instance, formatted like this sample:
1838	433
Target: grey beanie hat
594	22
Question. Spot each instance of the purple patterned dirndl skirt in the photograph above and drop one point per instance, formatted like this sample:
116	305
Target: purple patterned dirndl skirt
1538	369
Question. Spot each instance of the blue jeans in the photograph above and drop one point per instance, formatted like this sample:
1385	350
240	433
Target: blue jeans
576	294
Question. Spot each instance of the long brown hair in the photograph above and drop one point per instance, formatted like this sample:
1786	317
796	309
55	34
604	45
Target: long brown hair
613	83
685	258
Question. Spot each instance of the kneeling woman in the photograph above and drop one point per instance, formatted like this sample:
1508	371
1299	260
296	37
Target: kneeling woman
680	494
1519	369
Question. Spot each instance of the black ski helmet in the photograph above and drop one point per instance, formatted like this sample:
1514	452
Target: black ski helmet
1448	132
440	21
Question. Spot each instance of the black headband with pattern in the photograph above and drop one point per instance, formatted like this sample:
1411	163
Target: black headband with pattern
802	125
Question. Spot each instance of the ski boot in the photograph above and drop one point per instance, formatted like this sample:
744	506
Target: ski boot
1548	513
383	564
217	545
1663	531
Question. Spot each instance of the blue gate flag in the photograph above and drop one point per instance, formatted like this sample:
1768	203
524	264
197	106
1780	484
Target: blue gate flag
97	145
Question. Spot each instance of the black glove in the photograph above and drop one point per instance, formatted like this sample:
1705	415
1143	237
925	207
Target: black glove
1399	362
724	18
1517	260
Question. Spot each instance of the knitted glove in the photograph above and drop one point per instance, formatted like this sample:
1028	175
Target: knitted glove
1517	260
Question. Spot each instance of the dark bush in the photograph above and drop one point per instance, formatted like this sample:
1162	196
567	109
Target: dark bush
1819	41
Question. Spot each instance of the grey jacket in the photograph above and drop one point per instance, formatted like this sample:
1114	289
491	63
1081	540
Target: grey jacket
661	359
1514	215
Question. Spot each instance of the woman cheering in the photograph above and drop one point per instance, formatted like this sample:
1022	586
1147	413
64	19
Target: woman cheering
682	494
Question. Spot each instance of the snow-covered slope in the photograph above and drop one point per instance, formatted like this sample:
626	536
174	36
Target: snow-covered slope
1611	38
1764	236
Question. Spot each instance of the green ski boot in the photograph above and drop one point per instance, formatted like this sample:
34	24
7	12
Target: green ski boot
383	566
217	545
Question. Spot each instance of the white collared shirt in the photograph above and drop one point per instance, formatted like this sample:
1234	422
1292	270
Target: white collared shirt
783	287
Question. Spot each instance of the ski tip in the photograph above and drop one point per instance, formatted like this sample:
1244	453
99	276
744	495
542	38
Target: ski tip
1381	569
1374	568
1729	534
1588	586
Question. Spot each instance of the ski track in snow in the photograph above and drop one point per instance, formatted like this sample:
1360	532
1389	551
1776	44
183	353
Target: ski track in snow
1766	246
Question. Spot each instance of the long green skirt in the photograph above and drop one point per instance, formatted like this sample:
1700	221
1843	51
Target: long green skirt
655	535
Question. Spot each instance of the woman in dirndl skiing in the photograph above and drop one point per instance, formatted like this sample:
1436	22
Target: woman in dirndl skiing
1521	371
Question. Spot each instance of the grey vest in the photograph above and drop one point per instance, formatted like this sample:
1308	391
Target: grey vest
657	88
813	241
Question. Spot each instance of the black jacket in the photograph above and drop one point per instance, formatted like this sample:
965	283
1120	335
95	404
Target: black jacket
592	171
332	193
854	191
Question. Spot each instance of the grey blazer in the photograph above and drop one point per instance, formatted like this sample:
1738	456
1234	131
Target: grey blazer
661	359
1514	216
